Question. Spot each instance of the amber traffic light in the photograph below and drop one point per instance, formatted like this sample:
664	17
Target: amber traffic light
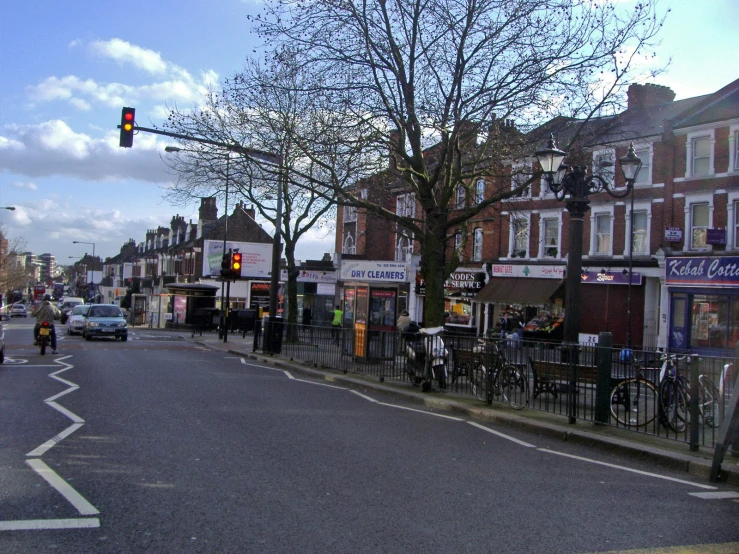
236	265
128	118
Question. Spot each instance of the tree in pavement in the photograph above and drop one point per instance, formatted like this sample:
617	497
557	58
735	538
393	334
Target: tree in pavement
428	80
267	107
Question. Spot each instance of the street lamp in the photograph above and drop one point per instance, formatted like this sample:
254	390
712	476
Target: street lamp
92	281
574	185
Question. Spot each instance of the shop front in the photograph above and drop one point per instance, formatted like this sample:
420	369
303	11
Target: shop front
186	300
704	304
373	294
316	295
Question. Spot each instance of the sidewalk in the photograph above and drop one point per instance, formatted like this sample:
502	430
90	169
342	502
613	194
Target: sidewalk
665	452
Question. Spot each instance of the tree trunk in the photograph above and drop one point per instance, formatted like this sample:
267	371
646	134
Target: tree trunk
434	271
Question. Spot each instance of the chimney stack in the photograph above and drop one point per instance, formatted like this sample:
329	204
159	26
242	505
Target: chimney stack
644	96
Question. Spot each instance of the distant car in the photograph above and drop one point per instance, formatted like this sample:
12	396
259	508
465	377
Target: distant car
105	320
76	319
67	304
18	310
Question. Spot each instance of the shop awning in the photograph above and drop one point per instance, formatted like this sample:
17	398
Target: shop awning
523	291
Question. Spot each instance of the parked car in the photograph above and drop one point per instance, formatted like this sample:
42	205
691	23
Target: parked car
76	319
18	310
105	320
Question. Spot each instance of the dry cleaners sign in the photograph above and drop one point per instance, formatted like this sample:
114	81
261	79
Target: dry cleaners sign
705	271
373	271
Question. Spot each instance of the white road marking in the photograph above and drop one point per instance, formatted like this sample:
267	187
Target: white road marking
13	361
319	384
364	396
67	391
715	495
614	466
41	524
502	435
288	374
41	450
72	496
66	412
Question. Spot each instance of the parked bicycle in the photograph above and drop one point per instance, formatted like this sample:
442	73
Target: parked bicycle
634	400
674	397
501	379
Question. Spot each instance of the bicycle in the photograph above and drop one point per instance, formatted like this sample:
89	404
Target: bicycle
503	379
633	400
674	397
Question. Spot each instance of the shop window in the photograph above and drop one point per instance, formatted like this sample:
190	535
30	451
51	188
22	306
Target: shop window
710	322
477	245
603	234
699	223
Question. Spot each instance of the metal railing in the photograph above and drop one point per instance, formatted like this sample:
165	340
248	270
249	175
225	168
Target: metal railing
583	390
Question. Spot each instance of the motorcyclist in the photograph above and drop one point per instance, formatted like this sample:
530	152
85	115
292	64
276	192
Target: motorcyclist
46	311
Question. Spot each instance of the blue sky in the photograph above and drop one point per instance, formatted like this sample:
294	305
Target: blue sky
69	66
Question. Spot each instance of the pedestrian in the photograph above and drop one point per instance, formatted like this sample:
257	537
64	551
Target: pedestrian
336	324
403	320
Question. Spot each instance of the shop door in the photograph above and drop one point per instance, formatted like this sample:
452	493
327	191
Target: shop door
679	324
382	317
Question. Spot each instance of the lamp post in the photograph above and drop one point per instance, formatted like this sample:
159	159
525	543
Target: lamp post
574	186
92	281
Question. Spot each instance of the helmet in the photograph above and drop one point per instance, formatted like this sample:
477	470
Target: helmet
47	297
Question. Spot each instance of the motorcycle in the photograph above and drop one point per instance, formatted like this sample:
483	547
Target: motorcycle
44	336
427	356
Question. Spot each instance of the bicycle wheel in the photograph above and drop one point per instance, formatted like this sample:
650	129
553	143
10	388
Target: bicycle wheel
709	401
673	405
634	402
513	385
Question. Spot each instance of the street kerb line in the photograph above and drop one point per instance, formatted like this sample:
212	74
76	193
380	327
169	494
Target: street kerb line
45	524
637	471
62	487
502	435
364	396
319	384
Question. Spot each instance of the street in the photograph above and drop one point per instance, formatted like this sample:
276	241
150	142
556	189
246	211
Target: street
159	444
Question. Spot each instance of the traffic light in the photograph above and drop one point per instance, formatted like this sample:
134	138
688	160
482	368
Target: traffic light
128	118
226	265
236	265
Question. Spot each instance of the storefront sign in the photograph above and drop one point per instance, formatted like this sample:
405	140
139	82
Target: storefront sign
610	278
465	282
358	270
716	236
311	276
673	234
533	271
703	270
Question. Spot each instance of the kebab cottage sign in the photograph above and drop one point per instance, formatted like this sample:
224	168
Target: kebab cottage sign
703	270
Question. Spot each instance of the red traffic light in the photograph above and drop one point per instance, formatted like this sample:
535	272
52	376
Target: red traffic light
128	120
236	264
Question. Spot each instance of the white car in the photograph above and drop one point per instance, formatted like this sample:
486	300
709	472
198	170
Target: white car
18	310
76	319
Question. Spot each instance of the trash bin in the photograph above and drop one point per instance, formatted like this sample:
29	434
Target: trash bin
273	335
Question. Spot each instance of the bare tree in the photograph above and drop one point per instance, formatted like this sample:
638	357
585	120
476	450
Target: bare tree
13	272
436	83
265	108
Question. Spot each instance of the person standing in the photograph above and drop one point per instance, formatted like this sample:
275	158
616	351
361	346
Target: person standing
336	324
403	320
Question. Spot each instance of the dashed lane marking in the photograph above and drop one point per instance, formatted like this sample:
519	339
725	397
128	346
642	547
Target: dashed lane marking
45	524
64	488
715	495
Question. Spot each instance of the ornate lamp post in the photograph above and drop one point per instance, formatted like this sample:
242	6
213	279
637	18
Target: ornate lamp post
574	186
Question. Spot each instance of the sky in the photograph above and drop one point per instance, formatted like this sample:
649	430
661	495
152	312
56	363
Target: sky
68	67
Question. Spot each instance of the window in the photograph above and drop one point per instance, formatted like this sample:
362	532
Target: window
479	191
350	214
458	242
460	197
477	245
736	224
520	173
734	151
603	234
604	164
349	246
551	237
645	173
699	223
405	205
403	249
641	233
520	241
701	160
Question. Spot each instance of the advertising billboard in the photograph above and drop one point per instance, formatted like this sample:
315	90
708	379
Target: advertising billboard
256	261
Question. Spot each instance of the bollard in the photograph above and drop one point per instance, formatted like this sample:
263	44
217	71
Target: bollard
603	379
693	363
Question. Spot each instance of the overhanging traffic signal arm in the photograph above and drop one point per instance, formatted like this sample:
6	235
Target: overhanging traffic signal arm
226	266
236	265
128	119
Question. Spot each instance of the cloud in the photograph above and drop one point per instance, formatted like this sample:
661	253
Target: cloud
54	148
126	53
26	186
